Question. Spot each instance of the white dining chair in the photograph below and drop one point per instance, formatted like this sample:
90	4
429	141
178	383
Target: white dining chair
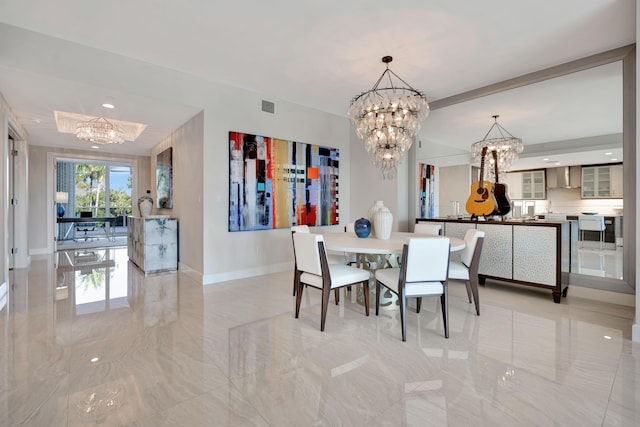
422	273
427	229
313	269
332	258
467	268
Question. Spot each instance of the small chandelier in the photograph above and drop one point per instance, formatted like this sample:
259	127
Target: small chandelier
99	131
503	143
388	119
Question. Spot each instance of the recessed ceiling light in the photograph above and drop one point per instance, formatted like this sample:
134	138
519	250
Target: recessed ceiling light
546	159
557	163
107	105
608	153
607	337
94	359
95	147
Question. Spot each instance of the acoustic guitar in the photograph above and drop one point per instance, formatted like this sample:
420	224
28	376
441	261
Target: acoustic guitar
481	200
503	204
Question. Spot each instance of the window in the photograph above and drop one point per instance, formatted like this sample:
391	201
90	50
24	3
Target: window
101	188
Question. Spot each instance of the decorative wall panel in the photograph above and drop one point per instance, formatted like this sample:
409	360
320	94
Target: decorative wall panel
534	254
496	250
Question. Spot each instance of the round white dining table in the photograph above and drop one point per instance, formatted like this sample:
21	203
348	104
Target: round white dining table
372	254
349	242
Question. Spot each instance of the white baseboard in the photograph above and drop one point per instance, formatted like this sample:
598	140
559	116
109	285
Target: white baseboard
190	272
605	296
243	274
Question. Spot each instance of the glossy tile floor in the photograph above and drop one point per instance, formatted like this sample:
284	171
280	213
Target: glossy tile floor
97	343
600	262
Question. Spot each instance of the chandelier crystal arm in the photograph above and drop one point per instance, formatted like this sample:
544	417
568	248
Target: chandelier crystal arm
500	129
405	83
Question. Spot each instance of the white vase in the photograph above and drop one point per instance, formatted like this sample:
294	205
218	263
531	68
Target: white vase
145	204
383	222
377	205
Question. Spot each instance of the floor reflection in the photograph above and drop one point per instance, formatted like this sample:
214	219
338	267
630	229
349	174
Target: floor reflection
91	280
600	262
87	339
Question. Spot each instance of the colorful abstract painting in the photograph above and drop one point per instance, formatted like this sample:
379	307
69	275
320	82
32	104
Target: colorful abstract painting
426	188
274	183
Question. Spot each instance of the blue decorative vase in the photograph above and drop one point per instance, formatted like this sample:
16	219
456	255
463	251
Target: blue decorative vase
60	210
362	228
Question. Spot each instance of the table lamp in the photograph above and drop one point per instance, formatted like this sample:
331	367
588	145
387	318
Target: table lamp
61	198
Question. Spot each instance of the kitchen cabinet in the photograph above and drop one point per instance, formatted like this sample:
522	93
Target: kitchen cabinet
526	185
513	181
533	186
602	182
616	182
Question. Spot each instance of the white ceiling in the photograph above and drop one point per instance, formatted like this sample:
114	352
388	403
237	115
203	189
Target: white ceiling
320	55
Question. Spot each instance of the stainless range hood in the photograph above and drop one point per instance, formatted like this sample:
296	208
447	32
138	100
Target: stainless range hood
564	177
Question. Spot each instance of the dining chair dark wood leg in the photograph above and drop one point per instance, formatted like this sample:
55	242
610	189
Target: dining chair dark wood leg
403	314
298	295
325	302
473	281
418	304
295	285
378	286
445	304
467	283
336	292
365	291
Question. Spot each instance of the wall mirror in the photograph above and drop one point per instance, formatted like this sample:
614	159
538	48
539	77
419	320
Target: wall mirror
567	115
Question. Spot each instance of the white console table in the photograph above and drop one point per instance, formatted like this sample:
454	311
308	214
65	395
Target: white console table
152	243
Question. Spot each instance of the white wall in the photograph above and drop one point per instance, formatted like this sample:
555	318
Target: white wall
241	254
7	118
188	164
367	186
454	185
225	255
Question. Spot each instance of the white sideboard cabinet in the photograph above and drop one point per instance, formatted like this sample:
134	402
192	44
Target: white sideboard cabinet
152	243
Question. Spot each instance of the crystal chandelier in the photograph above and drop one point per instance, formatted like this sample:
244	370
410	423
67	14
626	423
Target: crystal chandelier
387	119
99	131
506	146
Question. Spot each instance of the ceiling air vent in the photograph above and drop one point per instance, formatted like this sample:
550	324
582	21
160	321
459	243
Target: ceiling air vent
268	107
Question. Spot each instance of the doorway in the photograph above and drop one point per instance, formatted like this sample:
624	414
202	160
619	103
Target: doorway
92	189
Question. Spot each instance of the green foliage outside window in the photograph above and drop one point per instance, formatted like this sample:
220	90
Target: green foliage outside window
90	192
